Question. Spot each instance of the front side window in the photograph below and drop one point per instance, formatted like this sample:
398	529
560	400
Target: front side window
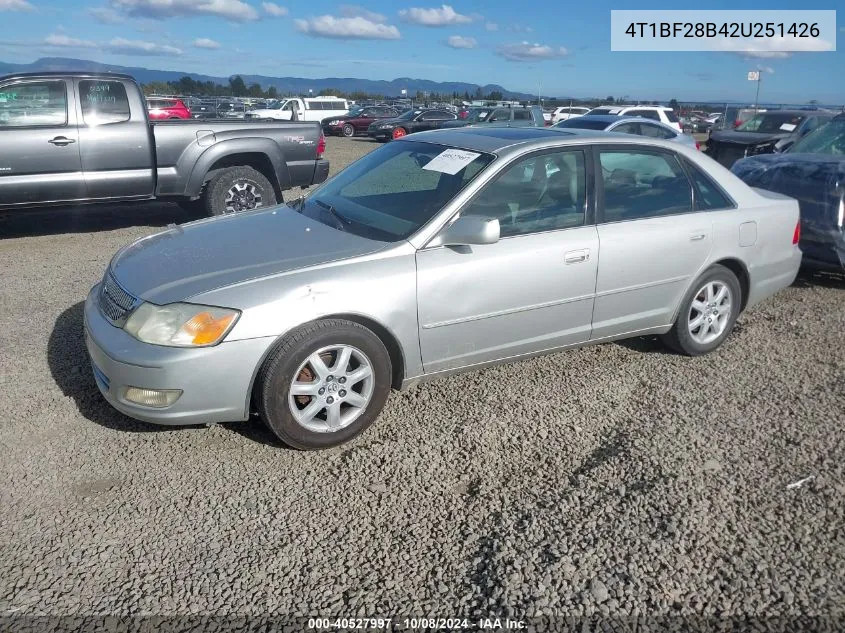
390	193
639	184
536	194
103	102
502	114
33	104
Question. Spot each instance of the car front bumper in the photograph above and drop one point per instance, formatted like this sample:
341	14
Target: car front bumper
379	134
215	381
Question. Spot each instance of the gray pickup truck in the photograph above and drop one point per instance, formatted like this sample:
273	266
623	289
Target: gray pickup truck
86	137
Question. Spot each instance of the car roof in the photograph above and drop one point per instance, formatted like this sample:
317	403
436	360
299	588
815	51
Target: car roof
491	139
67	73
614	108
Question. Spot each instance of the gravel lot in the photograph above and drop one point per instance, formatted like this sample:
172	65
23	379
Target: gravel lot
615	480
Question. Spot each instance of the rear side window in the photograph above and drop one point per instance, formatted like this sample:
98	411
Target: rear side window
647	114
33	103
522	115
670	114
103	102
656	131
640	184
708	197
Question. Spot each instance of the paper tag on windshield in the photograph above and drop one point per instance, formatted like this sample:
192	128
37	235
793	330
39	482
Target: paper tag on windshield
788	127
451	161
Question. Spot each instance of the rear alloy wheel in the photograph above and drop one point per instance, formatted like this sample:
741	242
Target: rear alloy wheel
708	313
348	130
236	189
399	133
324	384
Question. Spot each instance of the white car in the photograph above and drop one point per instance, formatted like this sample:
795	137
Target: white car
297	109
566	113
663	114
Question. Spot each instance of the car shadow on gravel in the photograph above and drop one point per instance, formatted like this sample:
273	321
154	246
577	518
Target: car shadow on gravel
92	218
71	370
645	345
809	278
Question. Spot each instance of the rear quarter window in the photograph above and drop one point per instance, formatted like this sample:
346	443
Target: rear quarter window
103	102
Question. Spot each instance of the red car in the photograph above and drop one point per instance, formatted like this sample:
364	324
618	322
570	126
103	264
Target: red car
357	121
160	109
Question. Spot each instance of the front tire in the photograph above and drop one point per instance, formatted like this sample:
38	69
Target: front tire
324	384
348	130
398	133
236	189
708	313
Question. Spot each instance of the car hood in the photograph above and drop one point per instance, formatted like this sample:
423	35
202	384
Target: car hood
184	261
748	138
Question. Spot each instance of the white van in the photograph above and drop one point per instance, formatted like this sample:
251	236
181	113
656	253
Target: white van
296	109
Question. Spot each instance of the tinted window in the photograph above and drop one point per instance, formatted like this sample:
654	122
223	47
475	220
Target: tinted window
522	115
656	131
771	122
707	195
583	123
628	128
103	102
502	114
643	185
541	193
648	114
670	114
437	115
33	103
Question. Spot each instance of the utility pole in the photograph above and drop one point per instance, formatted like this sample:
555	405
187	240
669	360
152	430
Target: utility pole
757	96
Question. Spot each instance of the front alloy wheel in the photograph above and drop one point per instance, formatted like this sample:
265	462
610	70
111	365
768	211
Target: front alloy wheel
323	384
331	388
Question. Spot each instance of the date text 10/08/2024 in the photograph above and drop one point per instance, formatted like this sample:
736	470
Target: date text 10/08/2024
444	624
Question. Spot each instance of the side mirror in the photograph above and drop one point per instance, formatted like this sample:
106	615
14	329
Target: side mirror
467	231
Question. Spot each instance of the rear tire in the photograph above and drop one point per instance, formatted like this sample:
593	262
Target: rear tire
708	313
303	421
236	189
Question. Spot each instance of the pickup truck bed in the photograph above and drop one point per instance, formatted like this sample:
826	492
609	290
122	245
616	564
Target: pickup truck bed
86	138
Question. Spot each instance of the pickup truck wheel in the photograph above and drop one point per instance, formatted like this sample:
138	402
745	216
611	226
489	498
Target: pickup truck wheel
348	130
236	189
323	384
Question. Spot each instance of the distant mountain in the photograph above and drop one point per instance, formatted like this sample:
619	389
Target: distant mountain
297	85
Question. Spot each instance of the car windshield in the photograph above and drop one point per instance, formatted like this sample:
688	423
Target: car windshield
476	115
393	191
355	110
828	139
583	123
771	122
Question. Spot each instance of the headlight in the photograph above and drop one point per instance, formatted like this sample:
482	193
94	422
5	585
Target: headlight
334	122
181	324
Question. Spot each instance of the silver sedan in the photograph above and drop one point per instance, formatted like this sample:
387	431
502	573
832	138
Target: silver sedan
638	126
446	251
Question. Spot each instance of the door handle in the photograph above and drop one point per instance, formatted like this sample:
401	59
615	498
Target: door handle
61	141
697	237
575	257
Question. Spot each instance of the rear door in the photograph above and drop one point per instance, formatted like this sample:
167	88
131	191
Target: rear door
115	140
653	243
39	143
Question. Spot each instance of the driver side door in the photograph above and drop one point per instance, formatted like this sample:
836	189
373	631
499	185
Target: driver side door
531	291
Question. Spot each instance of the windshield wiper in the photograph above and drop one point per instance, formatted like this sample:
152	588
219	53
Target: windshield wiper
333	212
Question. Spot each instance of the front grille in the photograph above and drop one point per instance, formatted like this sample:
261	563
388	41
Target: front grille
728	154
115	302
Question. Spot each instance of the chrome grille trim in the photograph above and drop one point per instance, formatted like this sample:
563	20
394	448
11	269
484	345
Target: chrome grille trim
116	304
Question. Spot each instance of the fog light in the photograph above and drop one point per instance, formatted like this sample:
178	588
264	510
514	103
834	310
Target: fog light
158	398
